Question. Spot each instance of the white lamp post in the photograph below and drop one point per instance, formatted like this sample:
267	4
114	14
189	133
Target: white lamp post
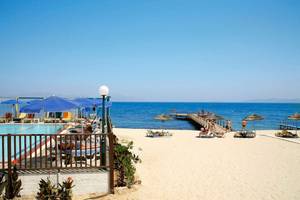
103	91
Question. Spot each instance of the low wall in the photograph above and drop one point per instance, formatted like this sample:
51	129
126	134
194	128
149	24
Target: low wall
86	183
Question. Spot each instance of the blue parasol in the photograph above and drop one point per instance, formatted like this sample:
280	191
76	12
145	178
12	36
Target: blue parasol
50	104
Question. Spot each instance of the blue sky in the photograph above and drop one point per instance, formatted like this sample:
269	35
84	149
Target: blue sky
151	50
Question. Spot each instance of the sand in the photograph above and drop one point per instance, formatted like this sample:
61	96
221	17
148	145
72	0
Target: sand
186	167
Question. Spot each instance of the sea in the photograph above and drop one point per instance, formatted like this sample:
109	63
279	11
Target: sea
142	114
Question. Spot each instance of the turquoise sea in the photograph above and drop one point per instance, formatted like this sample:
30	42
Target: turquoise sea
141	114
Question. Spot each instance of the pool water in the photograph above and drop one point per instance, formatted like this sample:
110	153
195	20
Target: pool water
23	129
29	128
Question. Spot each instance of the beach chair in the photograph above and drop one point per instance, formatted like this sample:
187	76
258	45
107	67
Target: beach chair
20	118
2	120
155	133
29	118
205	133
67	117
245	134
81	154
151	133
52	120
8	117
286	134
219	134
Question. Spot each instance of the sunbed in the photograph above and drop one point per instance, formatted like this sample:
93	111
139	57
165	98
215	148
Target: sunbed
67	117
286	134
2	120
155	133
245	134
206	134
52	120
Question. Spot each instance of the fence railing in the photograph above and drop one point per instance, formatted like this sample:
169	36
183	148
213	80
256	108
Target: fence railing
46	151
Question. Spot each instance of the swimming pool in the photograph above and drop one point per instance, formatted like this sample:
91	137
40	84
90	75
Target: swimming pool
29	128
19	141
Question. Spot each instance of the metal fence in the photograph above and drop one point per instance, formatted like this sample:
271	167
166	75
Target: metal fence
29	152
48	151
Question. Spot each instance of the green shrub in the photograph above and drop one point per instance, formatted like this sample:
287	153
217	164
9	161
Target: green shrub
124	164
13	189
48	191
65	190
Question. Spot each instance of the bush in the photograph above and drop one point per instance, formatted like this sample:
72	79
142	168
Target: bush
65	190
13	189
124	164
48	191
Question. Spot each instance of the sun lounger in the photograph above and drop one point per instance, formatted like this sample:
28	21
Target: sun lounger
2	120
286	134
8	117
245	134
67	117
206	134
52	120
156	133
220	134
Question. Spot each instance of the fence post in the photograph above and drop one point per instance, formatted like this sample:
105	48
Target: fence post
9	176
103	137
111	157
111	162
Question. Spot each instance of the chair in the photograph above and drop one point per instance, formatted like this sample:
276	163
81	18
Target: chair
29	118
67	117
220	134
8	117
2	120
154	133
206	133
286	134
245	134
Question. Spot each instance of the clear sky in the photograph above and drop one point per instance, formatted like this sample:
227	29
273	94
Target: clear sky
151	50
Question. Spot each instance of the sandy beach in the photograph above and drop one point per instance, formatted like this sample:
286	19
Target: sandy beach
186	167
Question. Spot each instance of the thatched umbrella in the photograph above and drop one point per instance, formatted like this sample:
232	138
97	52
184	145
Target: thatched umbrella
253	117
295	117
162	117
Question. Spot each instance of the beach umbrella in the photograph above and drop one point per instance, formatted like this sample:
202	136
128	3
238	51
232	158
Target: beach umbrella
84	102
50	104
253	117
11	102
162	117
214	117
295	117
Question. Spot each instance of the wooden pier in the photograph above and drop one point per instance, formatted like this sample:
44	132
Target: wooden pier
202	120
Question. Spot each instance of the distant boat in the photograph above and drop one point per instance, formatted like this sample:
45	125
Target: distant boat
163	117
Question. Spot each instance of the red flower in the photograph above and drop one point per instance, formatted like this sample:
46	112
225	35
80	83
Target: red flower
14	162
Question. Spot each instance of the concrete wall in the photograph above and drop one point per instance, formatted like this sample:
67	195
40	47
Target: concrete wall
85	182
